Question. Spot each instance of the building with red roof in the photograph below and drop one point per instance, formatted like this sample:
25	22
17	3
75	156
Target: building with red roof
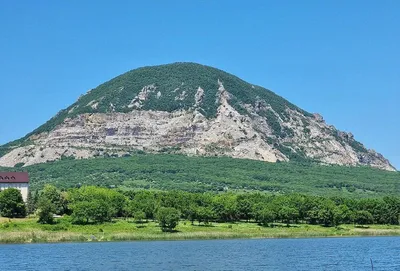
18	180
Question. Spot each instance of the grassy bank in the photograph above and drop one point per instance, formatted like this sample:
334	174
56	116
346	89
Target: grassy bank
28	231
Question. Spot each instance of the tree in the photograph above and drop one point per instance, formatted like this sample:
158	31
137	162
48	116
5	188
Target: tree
146	202
204	214
51	193
11	203
96	210
190	213
168	218
363	218
343	215
265	216
288	214
46	209
95	204
129	209
392	208
326	213
81	212
32	202
225	207
139	216
311	209
312	215
244	208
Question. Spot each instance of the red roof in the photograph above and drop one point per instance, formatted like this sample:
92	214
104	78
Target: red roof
14	177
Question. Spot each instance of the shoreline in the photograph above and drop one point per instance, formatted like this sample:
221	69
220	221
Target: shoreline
27	231
190	239
86	239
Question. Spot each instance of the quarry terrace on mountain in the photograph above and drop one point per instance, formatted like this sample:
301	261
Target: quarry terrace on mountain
189	109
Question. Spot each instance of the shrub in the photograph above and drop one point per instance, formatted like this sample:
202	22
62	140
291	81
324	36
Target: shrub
363	218
11	203
46	210
168	218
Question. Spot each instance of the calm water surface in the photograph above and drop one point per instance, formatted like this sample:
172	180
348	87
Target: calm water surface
264	254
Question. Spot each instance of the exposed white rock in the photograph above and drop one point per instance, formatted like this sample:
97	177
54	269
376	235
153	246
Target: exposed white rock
73	109
198	97
93	104
181	96
142	96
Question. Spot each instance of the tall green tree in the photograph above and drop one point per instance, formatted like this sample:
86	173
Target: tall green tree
363	218
129	209
146	202
265	216
343	215
95	204
46	210
392	214
31	203
245	207
96	211
326	213
225	207
288	214
204	214
11	203
168	218
139	216
51	193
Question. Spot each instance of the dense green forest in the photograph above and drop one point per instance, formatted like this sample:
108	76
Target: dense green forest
214	174
91	204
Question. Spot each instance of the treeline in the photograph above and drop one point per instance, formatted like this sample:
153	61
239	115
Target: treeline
214	174
92	204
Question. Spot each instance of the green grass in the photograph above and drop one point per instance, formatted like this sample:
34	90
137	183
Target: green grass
199	174
29	231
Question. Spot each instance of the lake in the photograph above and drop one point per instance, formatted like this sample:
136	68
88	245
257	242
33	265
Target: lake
256	254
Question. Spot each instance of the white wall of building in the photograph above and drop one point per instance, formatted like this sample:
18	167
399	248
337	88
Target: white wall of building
23	187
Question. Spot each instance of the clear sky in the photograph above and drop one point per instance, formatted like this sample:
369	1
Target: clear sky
339	58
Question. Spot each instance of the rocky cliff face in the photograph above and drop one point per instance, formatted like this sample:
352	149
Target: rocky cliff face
214	114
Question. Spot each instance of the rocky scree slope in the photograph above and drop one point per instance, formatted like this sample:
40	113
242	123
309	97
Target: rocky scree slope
191	109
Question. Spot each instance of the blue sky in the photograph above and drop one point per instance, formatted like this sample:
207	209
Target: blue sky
338	58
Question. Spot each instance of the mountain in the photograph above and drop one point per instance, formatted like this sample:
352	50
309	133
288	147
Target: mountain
191	109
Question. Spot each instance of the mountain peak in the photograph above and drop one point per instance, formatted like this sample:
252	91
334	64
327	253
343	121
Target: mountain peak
192	109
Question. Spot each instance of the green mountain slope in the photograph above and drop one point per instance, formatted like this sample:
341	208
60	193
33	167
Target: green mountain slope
170	172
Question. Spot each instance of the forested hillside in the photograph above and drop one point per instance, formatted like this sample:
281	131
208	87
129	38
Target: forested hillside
214	174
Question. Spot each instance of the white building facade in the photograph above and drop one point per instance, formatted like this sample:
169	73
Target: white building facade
18	180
